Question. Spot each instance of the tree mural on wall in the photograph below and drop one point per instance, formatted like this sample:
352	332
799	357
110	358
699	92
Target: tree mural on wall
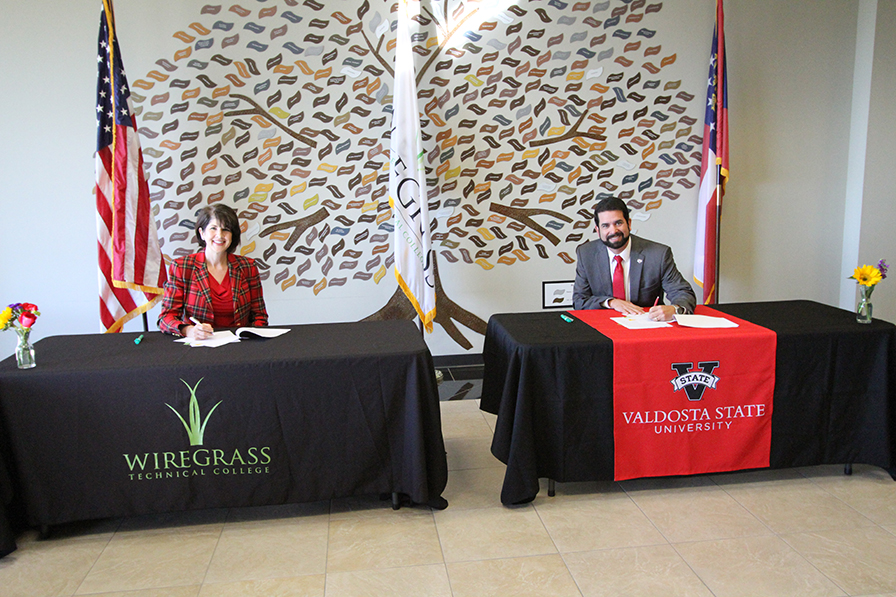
530	113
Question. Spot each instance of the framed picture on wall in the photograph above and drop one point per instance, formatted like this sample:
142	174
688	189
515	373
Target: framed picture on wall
556	295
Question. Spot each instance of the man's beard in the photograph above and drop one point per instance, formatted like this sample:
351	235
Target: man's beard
620	239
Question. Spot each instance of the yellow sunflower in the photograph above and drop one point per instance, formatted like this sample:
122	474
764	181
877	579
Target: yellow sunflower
867	275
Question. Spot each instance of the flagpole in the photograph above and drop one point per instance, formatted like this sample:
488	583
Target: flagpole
721	137
718	232
130	258
707	253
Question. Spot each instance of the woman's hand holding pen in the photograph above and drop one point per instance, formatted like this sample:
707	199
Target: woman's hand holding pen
200	331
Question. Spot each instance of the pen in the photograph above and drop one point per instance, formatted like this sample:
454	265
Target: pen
138	339
566	318
656	302
194	320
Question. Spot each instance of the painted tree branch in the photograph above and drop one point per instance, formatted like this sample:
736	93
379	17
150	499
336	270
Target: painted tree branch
299	226
259	111
524	216
447	312
435	54
444	43
438	23
376	53
570	134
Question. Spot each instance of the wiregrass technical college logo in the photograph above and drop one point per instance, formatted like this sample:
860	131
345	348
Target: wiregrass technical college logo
198	461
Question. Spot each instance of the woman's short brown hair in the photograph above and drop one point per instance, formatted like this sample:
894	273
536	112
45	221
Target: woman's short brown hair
225	216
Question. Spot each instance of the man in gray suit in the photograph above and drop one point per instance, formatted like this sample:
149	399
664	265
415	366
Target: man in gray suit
648	270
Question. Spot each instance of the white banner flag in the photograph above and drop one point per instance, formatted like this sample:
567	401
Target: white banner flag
414	267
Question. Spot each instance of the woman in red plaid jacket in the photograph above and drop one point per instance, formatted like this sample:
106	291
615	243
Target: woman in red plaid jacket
213	288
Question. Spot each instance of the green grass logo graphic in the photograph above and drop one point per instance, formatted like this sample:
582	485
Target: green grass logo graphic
196	427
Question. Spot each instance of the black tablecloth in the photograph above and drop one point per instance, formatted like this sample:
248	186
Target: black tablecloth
320	412
551	384
7	536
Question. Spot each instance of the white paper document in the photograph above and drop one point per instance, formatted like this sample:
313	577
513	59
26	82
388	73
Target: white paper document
252	333
640	322
704	321
217	339
228	337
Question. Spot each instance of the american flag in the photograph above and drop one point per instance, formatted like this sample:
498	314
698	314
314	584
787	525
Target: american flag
714	168
131	266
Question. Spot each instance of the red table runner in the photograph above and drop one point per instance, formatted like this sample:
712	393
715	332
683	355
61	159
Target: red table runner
689	400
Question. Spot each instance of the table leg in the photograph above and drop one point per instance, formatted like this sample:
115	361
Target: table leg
396	502
847	470
551	491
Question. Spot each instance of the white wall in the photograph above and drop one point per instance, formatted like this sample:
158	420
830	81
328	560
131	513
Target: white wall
878	238
790	76
48	239
790	66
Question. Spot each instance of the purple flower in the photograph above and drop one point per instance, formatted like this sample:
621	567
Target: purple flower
882	266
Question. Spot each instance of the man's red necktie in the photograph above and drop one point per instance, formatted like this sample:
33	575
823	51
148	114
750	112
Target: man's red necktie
618	280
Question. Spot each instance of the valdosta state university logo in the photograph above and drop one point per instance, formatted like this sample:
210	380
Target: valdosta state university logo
691	418
198	461
695	382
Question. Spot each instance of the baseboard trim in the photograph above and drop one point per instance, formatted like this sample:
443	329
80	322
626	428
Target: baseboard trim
458	360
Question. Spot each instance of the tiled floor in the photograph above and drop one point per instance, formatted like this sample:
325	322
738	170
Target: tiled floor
460	382
811	531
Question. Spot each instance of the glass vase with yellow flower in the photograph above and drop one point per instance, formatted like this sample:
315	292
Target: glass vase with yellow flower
867	278
20	317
